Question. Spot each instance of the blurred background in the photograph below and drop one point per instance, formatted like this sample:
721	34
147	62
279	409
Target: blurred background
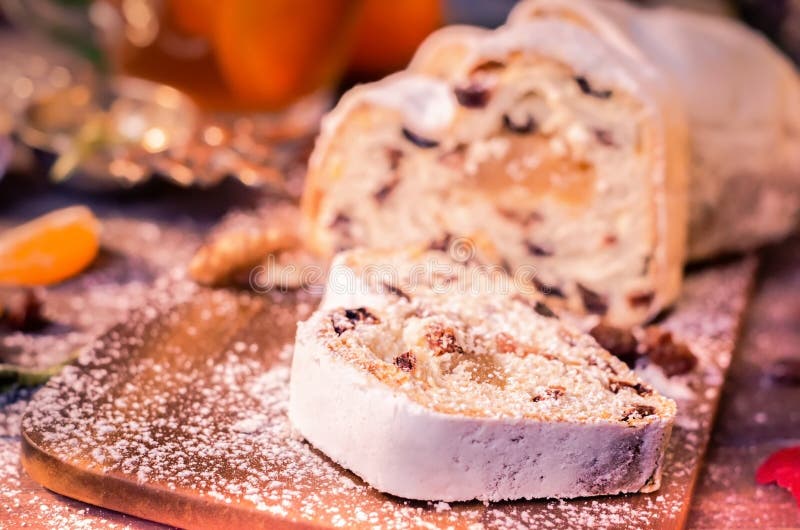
107	94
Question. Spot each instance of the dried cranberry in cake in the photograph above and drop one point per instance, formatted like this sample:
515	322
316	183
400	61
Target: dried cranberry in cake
526	125
473	96
537	250
593	302
406	361
554	392
346	319
442	339
587	88
547	290
619	342
394	156
419	141
674	358
605	137
638	412
442	244
361	314
641	299
542	309
393	289
386	189
615	385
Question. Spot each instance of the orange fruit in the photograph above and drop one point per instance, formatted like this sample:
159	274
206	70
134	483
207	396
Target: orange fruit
388	33
194	17
49	249
271	52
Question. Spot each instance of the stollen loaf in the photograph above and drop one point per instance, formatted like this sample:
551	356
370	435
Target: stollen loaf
545	147
742	99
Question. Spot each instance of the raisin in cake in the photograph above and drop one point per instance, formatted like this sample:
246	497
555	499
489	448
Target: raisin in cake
551	151
463	397
742	97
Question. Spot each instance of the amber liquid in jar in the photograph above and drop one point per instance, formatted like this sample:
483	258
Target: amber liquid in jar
236	55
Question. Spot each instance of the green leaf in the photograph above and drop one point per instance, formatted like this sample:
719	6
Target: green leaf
12	375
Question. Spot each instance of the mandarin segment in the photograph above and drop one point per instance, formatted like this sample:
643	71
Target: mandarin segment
49	249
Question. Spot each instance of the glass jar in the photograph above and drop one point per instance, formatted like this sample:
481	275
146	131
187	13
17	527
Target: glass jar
231	55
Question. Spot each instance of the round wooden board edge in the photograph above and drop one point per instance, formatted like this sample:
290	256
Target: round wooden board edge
143	501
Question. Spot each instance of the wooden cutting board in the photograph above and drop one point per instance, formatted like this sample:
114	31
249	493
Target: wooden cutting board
179	416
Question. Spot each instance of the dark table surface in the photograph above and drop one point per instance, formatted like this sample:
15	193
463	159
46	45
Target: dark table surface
757	415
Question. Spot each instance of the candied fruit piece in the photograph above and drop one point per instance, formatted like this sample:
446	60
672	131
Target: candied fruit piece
49	249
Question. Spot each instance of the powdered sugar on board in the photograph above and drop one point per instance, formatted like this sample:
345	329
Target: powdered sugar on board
141	264
193	405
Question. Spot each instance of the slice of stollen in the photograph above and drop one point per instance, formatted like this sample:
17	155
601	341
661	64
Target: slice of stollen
455	397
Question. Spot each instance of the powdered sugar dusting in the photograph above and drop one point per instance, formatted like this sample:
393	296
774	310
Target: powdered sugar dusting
200	410
28	505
